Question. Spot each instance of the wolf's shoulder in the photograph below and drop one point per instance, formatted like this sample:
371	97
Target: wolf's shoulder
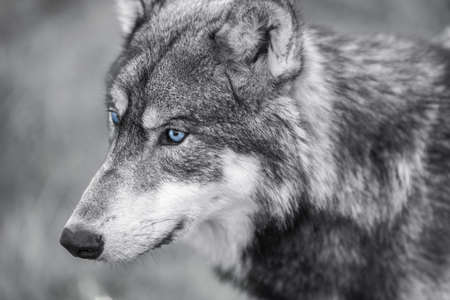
404	81
393	61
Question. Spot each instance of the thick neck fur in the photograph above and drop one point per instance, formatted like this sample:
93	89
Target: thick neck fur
369	223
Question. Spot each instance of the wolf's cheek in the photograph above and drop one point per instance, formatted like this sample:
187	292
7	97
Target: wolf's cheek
141	222
138	223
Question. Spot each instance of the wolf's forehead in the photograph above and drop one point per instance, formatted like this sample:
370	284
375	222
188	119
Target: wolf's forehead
161	54
175	15
176	10
122	78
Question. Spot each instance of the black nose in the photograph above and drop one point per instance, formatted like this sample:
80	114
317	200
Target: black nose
82	243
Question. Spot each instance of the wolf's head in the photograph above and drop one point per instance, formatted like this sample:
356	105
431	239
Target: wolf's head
202	134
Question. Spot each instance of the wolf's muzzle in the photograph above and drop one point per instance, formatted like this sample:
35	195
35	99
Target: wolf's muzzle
82	243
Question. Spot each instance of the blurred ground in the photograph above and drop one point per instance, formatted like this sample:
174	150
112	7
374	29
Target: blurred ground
53	57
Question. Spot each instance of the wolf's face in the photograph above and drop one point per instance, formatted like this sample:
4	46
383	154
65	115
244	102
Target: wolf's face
193	130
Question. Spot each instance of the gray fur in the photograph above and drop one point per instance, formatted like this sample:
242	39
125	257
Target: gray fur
352	137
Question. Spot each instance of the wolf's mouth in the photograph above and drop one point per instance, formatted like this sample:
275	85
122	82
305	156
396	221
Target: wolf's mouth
171	235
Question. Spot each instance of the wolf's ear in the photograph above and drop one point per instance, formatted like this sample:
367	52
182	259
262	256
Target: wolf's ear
131	11
266	31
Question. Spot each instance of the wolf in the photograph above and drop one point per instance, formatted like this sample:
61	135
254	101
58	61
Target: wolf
304	163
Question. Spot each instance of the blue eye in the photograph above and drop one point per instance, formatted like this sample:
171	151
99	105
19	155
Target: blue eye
175	136
115	118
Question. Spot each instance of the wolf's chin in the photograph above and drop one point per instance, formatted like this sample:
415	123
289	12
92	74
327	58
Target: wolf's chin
121	259
167	239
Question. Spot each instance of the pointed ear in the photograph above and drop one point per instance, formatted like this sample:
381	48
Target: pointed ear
266	31
130	12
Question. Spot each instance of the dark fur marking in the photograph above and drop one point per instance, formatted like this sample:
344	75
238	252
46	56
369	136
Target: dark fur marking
171	235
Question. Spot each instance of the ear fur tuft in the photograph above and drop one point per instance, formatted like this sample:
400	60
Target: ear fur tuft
267	29
131	11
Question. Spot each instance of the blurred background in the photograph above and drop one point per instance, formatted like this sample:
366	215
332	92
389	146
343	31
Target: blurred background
53	58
